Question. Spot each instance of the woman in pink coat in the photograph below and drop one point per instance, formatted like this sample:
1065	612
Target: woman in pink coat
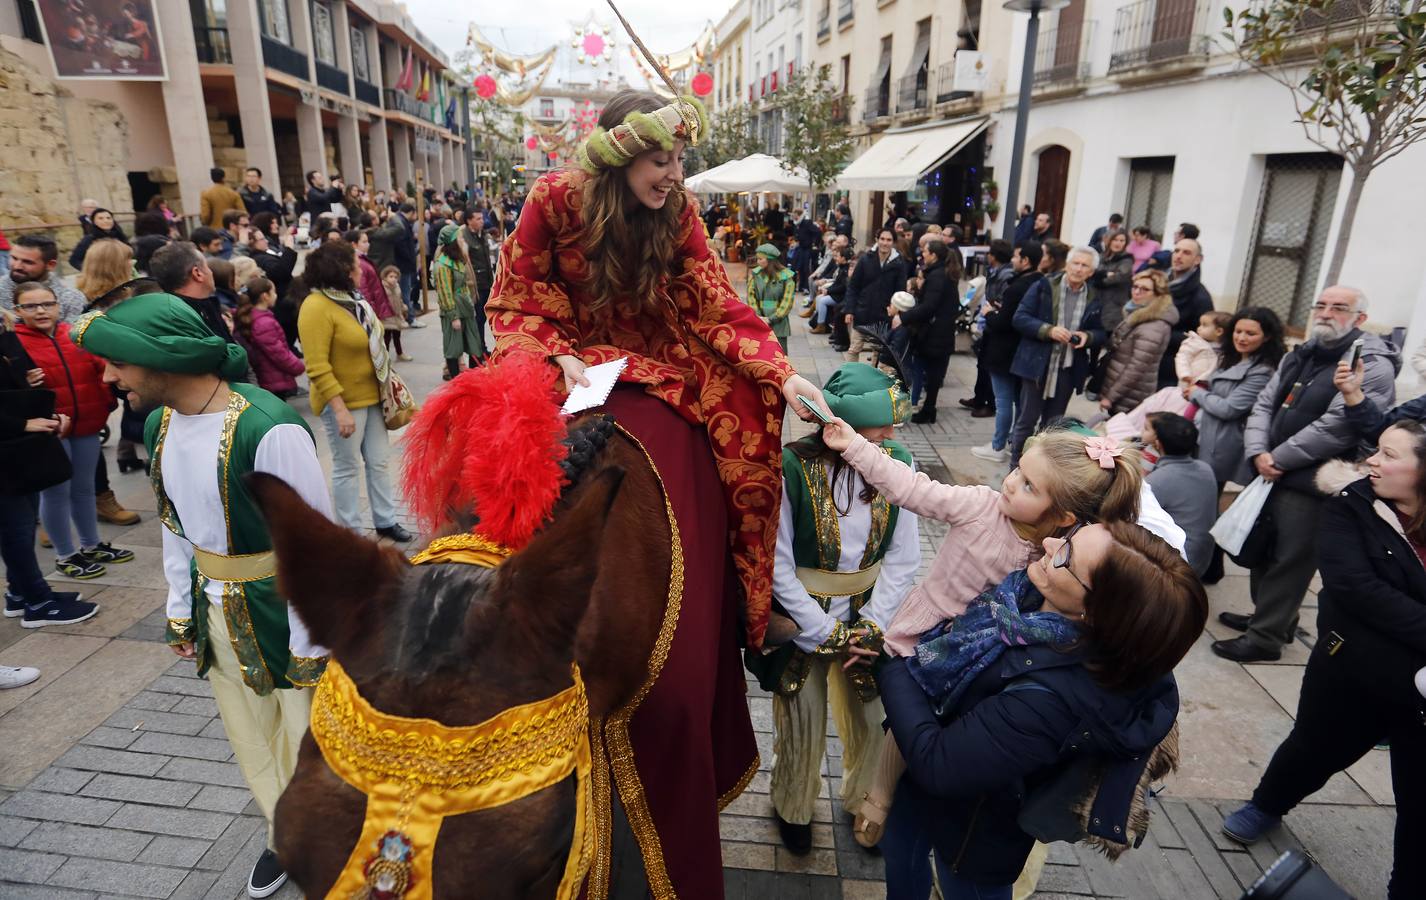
258	330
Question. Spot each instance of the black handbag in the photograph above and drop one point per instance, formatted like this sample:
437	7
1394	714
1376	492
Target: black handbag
35	460
1258	546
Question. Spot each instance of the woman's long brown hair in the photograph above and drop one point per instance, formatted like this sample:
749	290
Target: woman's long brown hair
630	247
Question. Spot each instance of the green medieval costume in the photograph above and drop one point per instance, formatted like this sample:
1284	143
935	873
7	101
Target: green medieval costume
453	297
770	296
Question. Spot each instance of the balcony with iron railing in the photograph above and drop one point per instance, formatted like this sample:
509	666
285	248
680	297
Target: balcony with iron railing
845	13
1062	56
400	101
946	85
367	92
279	56
1162	33
877	102
332	78
912	92
212	44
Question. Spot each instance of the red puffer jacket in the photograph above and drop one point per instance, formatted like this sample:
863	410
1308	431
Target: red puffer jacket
75	377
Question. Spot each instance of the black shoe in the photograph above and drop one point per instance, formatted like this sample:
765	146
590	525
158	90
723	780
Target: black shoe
967	402
267	876
924	417
14	605
796	838
982	412
1235	621
1245	651
132	464
395	533
63	608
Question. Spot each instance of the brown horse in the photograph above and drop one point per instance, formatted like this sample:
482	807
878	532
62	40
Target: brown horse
459	644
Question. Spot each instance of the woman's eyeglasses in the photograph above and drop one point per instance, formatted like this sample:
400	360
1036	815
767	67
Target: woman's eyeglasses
1065	553
1142	288
37	307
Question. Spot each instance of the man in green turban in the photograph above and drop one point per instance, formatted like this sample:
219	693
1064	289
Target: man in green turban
224	611
846	558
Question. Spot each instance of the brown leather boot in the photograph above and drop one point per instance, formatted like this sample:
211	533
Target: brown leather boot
109	510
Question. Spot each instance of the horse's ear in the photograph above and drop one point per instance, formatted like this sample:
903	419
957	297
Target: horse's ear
546	586
325	571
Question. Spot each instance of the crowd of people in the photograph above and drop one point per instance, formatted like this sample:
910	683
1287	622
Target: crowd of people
1038	650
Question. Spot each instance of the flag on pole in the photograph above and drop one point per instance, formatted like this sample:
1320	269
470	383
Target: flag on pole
424	93
404	80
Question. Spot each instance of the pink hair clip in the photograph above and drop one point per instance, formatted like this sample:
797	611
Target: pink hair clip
1103	450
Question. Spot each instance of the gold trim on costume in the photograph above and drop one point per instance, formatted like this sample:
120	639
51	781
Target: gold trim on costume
179	631
621	750
469	548
242	567
822	584
742	785
166	513
306	671
415	772
824	514
244	638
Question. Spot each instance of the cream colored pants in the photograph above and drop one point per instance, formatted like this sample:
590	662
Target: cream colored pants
800	741
264	732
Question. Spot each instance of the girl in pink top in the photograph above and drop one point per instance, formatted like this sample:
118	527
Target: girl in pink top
1064	477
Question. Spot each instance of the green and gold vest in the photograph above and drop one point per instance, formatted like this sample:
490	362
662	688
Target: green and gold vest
817	544
255	615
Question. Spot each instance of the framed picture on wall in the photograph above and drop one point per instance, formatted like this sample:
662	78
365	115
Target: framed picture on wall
107	39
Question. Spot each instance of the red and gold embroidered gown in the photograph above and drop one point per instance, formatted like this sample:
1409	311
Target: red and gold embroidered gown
719	372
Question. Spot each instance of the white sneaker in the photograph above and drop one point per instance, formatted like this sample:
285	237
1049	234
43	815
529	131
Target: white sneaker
987	452
17	676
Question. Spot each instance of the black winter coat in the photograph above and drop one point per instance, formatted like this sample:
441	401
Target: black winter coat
1001	339
1373	589
870	288
1018	724
933	319
1192	300
25	458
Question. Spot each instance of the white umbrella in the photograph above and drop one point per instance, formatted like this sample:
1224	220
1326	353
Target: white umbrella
758	172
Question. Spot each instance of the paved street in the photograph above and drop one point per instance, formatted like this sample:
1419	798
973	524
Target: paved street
117	780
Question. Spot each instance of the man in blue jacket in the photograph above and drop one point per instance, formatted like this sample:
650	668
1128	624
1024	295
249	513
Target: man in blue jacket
1058	322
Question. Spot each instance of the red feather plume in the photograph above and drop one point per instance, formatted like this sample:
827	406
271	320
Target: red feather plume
491	440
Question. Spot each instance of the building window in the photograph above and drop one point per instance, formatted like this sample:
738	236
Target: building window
1295	207
274	21
322	40
547	108
1150	178
360	67
30	22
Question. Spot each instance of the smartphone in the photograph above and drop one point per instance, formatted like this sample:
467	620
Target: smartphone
1356	353
816	410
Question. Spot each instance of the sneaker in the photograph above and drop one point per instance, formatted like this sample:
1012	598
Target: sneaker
405	357
267	876
987	452
17	676
63	608
14	605
103	552
79	568
1248	823
415	323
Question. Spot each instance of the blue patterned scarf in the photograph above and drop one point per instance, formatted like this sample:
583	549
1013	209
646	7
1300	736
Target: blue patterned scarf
951	655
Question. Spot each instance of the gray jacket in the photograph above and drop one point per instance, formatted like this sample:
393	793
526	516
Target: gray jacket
1330	435
1223	409
1187	490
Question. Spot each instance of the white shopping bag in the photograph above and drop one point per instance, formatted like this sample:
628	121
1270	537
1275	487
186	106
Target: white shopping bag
1236	523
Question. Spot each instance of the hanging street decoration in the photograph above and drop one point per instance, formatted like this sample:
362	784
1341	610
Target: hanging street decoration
591	44
702	84
485	87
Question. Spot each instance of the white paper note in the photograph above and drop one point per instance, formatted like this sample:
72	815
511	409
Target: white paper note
601	381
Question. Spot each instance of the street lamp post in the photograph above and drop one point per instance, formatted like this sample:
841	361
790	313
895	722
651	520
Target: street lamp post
1022	108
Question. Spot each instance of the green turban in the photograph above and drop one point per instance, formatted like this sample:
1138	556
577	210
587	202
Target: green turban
863	396
768	250
160	332
448	235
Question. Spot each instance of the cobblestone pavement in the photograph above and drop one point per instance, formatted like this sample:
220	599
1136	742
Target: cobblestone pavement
116	779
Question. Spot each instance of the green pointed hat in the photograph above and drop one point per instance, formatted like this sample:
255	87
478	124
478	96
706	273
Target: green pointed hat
863	396
160	332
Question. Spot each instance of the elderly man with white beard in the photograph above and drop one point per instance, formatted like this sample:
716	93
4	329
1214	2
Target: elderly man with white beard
1298	423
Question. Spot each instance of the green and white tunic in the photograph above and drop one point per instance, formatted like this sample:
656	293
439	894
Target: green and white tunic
821	551
216	545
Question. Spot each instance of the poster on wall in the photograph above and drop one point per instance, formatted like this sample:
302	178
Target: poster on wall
109	39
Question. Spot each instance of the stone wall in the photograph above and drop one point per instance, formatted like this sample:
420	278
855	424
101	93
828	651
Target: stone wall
55	150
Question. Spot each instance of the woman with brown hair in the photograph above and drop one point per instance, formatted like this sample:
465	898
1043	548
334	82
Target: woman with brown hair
107	265
1137	343
609	261
1061	665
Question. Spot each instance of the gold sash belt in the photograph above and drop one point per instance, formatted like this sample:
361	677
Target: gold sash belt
822	583
247	567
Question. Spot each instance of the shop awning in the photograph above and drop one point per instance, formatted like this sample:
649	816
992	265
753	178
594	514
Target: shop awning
758	172
899	158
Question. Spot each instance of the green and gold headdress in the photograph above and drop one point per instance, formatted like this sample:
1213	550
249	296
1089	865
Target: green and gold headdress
863	396
162	332
684	119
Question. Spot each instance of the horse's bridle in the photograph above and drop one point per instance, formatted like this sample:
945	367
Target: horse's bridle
415	772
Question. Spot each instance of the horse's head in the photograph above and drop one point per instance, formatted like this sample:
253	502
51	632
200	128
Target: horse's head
451	642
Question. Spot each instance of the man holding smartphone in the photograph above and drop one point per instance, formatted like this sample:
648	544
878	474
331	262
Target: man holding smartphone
1058	322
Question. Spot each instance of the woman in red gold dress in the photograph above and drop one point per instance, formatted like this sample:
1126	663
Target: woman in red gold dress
610	260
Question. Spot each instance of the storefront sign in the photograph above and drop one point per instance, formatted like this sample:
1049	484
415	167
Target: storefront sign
109	39
972	71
